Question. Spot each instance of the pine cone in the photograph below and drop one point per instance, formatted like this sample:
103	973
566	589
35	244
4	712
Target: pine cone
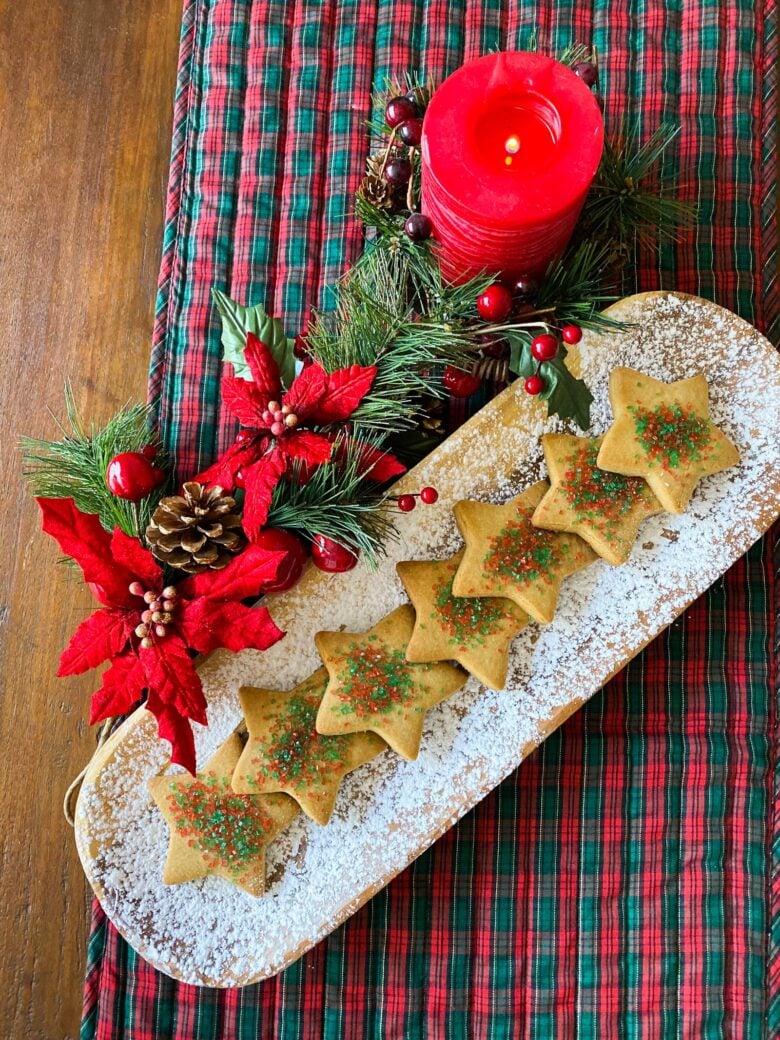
377	192
197	531
374	165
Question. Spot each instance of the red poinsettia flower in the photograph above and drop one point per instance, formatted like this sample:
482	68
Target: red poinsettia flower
201	613
277	427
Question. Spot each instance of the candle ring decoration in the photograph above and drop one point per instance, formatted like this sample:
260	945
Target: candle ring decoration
501	219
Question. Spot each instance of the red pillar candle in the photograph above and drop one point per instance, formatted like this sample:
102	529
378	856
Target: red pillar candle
510	145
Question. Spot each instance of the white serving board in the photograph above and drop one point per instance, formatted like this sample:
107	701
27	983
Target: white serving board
211	933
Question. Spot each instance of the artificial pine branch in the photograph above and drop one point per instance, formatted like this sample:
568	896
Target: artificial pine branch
576	287
624	207
338	501
75	466
393	311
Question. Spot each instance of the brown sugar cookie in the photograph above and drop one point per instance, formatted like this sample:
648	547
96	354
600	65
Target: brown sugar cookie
285	752
475	632
507	556
604	508
213	830
374	688
663	432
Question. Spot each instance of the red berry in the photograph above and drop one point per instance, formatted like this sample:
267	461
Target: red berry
534	385
398	171
300	347
525	289
571	333
406	503
149	452
238	479
132	476
410	132
429	495
495	303
587	72
399	109
275	539
418	227
458	383
420	96
244	436
544	347
331	556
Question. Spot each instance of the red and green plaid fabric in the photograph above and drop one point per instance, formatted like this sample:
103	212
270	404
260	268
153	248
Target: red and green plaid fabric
624	881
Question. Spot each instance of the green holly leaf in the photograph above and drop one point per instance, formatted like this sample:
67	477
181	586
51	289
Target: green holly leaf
237	321
565	395
520	360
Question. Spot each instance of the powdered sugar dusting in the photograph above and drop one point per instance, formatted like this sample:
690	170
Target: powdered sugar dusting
210	932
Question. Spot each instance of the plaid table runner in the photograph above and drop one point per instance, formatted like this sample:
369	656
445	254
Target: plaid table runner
624	882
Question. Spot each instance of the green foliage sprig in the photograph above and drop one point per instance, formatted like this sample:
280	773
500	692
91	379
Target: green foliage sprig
75	466
338	501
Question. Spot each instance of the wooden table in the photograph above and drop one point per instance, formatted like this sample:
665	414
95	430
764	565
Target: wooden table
86	89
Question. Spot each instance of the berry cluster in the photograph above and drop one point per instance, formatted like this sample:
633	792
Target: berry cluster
403	114
427	495
157	615
496	305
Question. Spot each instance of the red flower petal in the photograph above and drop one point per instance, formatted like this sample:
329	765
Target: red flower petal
238	456
344	391
83	537
130	554
123	684
306	391
259	481
171	674
244	576
377	465
262	364
313	448
208	625
177	731
245	401
98	638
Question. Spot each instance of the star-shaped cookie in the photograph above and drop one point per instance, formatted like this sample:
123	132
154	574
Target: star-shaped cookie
374	688
474	631
213	830
507	556
285	752
663	432
602	507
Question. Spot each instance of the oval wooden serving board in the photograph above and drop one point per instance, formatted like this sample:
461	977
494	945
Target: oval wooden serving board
389	811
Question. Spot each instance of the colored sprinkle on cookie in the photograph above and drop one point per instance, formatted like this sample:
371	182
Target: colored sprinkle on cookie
285	753
671	434
474	631
508	557
213	829
373	687
603	508
227	829
663	433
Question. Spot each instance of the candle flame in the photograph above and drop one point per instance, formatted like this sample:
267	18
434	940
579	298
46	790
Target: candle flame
511	147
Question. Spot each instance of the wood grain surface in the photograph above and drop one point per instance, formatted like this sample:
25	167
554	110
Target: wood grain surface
86	90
